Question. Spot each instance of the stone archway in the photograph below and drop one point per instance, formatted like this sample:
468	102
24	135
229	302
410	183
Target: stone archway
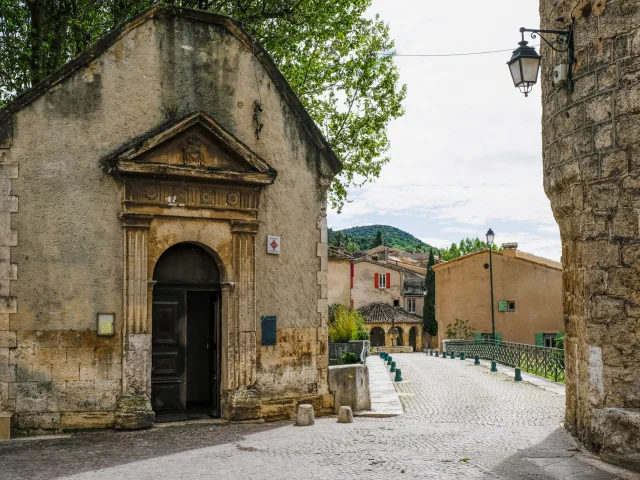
413	338
377	337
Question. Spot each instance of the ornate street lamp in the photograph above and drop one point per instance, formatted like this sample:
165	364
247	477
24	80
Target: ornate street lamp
490	238
525	61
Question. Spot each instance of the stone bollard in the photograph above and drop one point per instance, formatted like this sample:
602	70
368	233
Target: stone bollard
437	353
345	415
305	416
463	356
430	353
477	360
393	366
518	377
398	375
494	366
453	354
444	355
389	360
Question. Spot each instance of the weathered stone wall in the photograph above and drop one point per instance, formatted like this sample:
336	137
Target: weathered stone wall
339	282
591	146
69	257
364	291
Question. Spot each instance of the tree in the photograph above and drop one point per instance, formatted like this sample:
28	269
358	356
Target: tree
460	330
329	52
429	310
465	247
377	241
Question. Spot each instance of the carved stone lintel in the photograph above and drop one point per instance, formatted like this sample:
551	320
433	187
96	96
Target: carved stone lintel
243	226
135	220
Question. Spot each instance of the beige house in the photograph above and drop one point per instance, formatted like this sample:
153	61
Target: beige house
339	277
527	296
157	266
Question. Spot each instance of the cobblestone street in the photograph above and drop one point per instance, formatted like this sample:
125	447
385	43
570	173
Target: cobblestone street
461	422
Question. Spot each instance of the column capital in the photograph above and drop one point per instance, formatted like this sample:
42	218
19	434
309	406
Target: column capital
245	226
135	220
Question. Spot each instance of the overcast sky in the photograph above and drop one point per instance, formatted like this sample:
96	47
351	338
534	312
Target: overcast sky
467	155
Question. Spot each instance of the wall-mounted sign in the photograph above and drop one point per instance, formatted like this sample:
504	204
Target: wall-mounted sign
503	306
106	323
268	330
273	245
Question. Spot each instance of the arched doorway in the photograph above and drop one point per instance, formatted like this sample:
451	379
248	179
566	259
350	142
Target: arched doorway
376	337
400	340
413	333
185	334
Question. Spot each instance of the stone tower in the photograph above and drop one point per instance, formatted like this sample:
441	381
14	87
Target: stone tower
591	145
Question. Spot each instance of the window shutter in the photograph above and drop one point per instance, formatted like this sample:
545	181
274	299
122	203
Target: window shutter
478	337
375	280
498	336
352	273
539	340
388	280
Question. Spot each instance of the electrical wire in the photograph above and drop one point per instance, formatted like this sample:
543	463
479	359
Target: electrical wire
446	54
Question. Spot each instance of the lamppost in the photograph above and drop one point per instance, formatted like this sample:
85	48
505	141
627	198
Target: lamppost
490	237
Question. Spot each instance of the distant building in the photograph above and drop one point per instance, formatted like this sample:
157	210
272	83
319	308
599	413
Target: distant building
380	317
527	296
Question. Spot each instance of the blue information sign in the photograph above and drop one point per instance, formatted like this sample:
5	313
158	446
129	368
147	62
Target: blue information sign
269	330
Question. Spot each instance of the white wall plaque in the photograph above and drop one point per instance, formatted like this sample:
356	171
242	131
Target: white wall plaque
273	245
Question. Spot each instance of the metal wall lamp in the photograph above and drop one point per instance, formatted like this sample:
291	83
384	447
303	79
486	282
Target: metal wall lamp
525	61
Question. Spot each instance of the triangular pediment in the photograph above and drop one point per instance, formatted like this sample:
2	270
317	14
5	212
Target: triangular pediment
194	147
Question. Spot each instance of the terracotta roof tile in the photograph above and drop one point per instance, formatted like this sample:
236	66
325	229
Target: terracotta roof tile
378	312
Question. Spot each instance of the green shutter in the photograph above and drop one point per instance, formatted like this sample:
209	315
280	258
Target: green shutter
539	340
503	306
498	337
478	337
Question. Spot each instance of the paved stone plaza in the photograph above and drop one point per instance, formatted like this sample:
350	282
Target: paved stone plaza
461	422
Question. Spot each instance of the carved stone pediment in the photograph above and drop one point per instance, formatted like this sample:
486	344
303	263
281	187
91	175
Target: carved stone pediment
196	147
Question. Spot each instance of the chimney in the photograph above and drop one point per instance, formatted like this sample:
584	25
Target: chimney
509	249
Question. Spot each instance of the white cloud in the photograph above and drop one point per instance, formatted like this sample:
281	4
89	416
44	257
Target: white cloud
437	242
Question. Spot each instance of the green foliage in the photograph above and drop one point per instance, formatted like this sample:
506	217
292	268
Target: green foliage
465	247
346	325
460	330
560	342
327	50
429	311
362	335
349	358
377	240
365	238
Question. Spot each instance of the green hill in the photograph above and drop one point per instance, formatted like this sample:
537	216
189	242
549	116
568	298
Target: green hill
364	238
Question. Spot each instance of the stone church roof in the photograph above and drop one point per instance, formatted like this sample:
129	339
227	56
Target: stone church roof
378	312
229	24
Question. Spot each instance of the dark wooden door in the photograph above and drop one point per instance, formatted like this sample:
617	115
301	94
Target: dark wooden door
168	393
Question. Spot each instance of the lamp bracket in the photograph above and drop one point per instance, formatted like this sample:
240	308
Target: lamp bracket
563	42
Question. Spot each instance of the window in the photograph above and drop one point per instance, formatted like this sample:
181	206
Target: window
411	305
550	340
511	306
485	336
382	280
507	306
396	303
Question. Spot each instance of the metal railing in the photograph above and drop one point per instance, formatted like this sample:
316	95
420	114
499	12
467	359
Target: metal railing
542	361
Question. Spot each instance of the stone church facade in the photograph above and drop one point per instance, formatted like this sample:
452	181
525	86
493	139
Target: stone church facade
140	184
591	146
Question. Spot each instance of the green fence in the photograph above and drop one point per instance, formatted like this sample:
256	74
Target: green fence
542	361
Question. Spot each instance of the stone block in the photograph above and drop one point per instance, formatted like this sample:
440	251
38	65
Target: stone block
614	164
4	321
106	355
585	87
49	421
609	309
28	421
58	338
305	416
84	355
26	337
8	373
66	372
5	186
603	136
5	290
30	397
602	196
99	371
81	420
625	224
9	170
627	131
607	77
631	255
627	101
51	355
601	254
589	168
245	404
79	396
8	339
9	203
134	412
33	373
4	356
345	415
8	304
598	109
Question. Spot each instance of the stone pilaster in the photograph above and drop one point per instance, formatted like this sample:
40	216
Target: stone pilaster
134	407
8	271
244	401
591	147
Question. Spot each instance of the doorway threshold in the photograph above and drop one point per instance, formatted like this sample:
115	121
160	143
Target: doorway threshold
202	421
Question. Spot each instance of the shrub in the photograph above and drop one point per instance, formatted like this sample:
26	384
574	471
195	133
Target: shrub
361	335
460	330
349	358
346	325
